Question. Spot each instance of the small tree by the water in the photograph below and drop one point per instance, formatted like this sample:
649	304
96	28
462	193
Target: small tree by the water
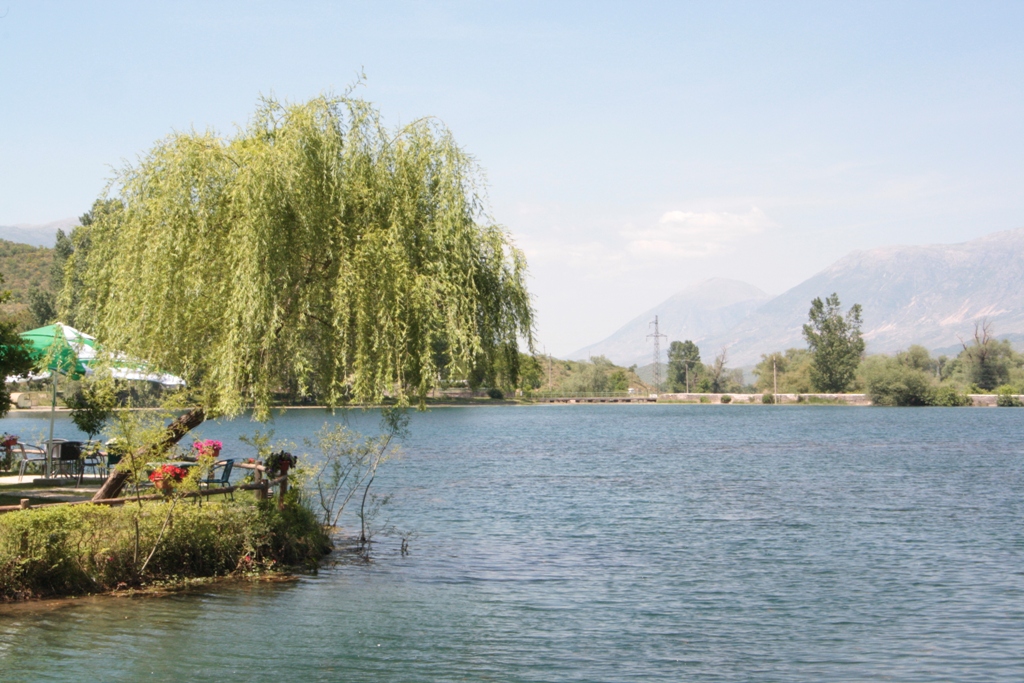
92	404
986	362
684	366
347	467
835	342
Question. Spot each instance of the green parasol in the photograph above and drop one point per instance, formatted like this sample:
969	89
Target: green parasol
61	349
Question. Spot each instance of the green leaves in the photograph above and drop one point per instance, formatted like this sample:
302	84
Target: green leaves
836	343
314	253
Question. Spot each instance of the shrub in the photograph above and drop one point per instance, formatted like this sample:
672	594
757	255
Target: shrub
75	549
726	399
705	399
1005	397
948	396
891	383
496	393
768	398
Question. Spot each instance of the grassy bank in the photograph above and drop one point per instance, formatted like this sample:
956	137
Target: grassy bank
81	549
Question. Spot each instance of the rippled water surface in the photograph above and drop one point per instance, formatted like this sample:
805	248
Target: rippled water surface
618	543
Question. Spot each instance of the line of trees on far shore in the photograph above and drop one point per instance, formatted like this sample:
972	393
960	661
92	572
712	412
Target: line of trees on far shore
834	362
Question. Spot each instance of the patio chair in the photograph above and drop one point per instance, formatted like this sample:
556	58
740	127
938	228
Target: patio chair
69	456
92	457
214	481
29	453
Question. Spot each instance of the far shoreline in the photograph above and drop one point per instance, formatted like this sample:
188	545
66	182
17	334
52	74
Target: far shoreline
855	400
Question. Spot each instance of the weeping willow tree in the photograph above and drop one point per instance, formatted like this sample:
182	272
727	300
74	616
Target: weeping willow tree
314	250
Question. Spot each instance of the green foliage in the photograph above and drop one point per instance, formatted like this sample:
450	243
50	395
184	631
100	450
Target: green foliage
276	460
792	369
893	383
502	369
531	372
820	401
618	380
947	395
768	399
347	465
597	375
986	363
26	268
259	441
135	432
495	393
315	249
76	549
42	304
835	342
70	259
14	354
684	366
1006	397
726	399
908	379
92	404
717	378
918	358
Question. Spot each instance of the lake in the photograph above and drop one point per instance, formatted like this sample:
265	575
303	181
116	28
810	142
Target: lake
615	543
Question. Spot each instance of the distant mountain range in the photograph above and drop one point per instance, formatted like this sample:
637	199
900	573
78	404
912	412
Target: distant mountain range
709	309
928	295
37	235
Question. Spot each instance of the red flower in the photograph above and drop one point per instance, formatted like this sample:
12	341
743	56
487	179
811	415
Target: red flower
172	472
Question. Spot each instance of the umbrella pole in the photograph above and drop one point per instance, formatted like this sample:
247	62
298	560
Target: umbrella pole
53	412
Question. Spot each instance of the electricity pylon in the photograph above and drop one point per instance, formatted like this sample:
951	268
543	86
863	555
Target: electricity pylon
657	337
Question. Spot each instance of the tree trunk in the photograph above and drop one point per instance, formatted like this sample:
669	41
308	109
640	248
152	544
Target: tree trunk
175	431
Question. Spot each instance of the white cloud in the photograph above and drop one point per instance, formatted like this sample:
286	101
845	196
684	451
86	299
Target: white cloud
677	236
589	259
689	234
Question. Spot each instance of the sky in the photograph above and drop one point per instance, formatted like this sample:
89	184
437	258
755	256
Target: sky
631	149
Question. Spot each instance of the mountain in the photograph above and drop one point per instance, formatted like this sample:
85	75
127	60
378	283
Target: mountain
705	310
37	235
928	295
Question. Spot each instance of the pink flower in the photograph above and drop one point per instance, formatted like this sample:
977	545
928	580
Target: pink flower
208	447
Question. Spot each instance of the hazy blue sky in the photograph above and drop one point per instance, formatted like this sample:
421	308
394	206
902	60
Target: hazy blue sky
632	148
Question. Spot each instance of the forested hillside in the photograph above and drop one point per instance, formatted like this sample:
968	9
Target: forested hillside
24	268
